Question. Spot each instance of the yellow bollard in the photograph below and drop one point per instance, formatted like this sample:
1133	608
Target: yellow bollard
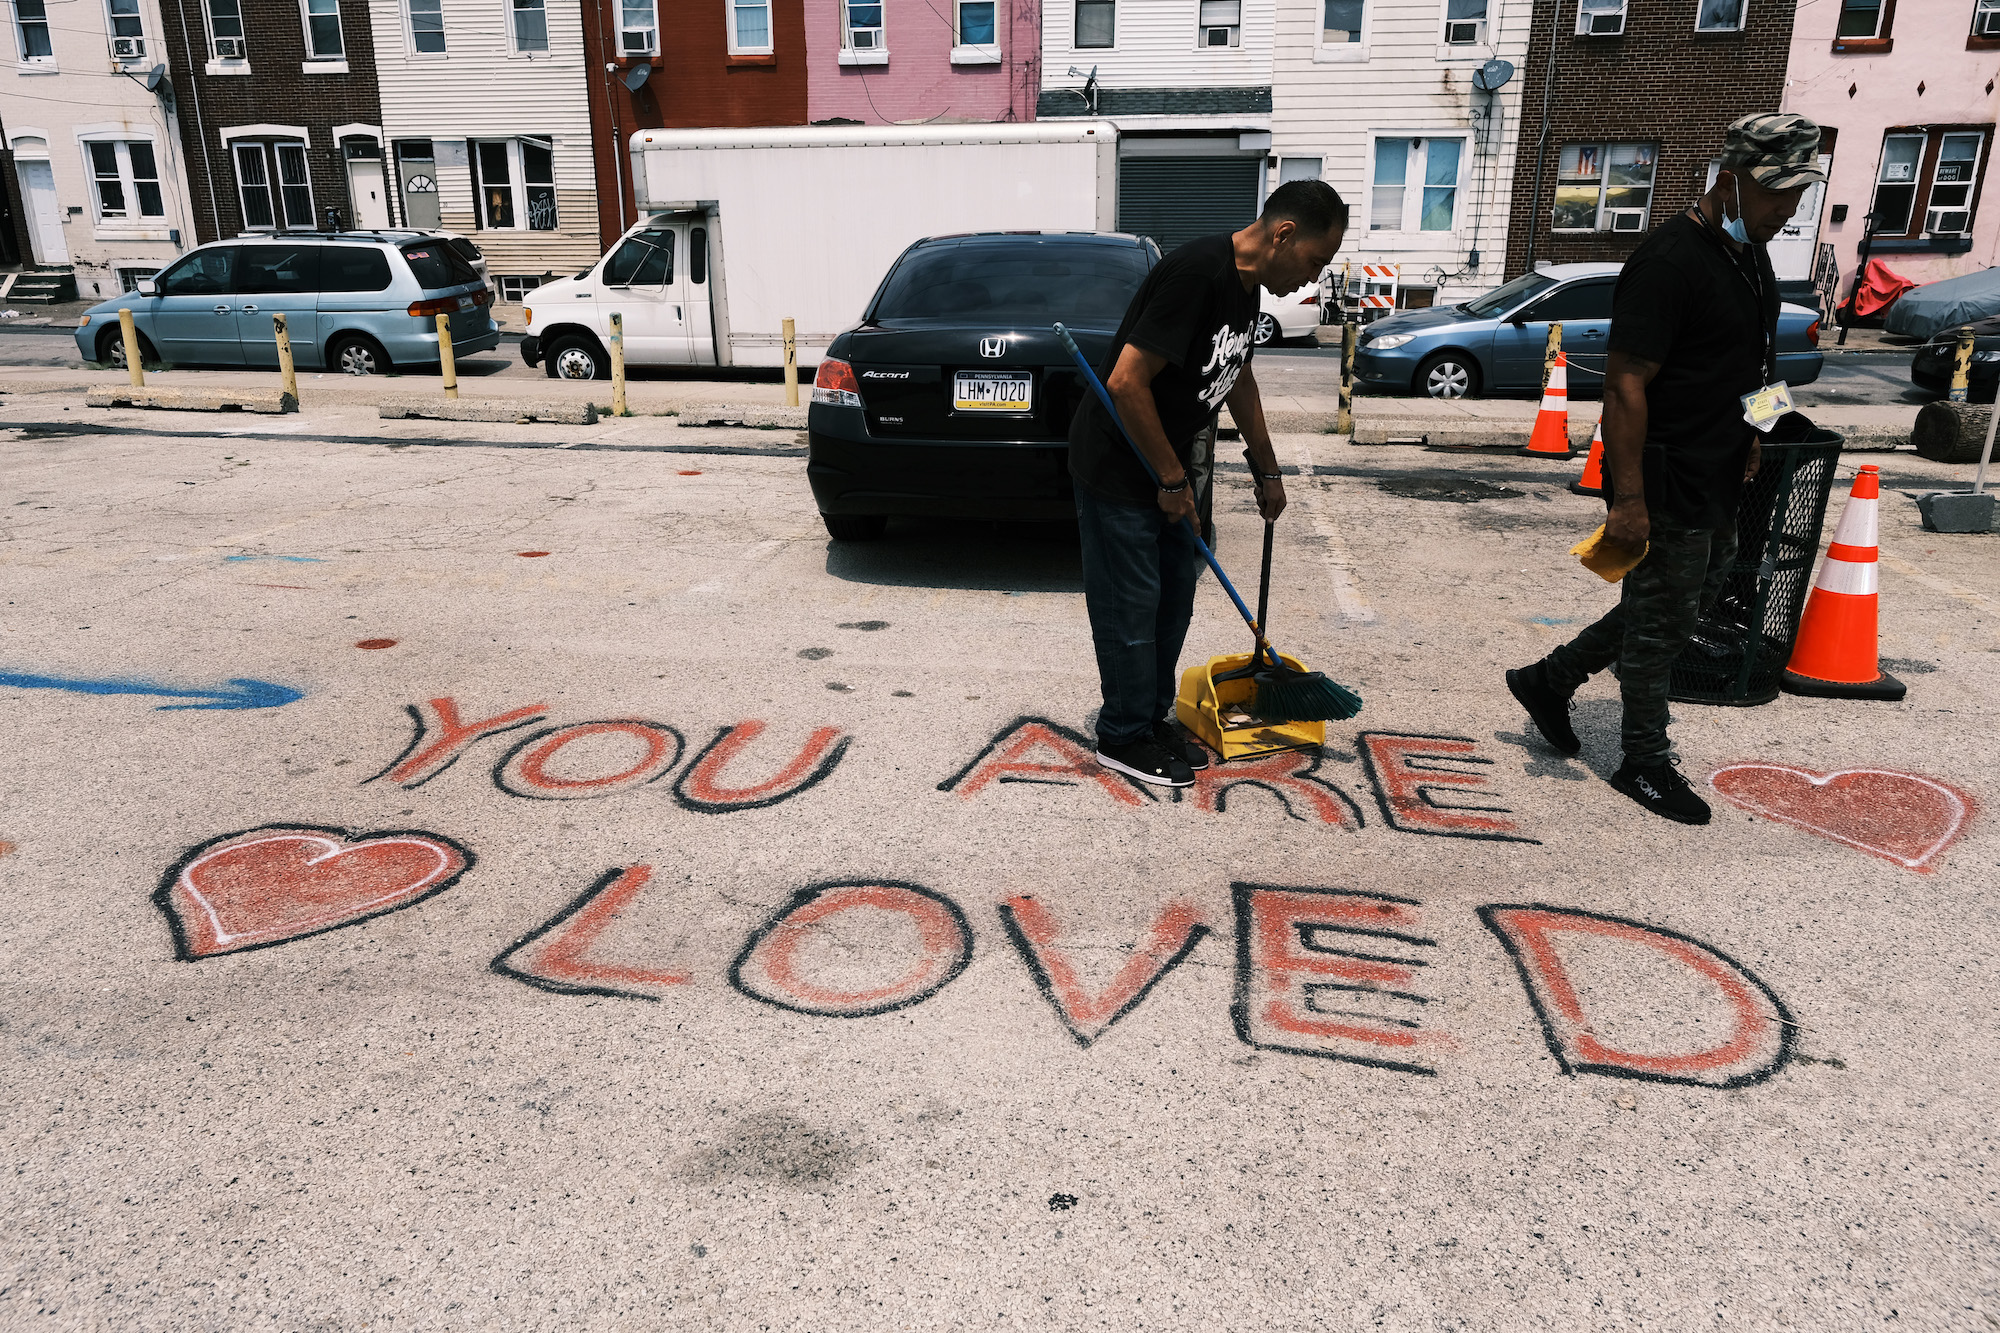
447	363
134	363
1549	357
1961	367
791	365
285	366
1344	424
618	366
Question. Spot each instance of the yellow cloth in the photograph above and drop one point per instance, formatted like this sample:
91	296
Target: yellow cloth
1605	558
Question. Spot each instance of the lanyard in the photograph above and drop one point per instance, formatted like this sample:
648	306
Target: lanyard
1756	286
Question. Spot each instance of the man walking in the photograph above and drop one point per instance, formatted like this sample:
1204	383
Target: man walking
1182	351
1693	330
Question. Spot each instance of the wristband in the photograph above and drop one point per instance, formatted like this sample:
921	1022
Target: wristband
1175	489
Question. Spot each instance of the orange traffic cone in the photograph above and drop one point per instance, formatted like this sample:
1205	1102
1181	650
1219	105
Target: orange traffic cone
1834	655
1551	437
1592	480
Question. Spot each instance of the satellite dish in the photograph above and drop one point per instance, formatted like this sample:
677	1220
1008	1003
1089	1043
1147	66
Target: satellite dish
635	77
153	77
1493	75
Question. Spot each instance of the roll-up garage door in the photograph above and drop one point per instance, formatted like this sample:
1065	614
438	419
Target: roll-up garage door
1175	199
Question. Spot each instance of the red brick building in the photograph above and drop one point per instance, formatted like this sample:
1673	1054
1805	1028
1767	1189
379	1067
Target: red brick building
1638	94
710	74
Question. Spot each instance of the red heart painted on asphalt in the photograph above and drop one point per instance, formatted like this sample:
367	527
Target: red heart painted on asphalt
269	885
1900	817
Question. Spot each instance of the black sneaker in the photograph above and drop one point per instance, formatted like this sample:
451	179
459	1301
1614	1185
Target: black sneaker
1178	743
1148	761
1548	708
1661	789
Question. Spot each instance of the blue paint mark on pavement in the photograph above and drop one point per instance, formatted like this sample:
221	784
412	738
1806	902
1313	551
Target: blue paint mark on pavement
1551	620
239	693
292	559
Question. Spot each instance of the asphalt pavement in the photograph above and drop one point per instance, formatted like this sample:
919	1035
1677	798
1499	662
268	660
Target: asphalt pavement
522	877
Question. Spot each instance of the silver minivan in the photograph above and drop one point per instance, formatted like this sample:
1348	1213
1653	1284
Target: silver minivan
359	302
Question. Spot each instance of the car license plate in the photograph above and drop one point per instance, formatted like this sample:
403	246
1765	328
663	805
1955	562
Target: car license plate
993	391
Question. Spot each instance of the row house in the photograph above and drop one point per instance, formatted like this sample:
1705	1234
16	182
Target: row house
885	62
97	186
1412	110
1906	92
1188	84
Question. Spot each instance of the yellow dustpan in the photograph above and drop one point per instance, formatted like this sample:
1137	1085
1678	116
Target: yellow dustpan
1221	715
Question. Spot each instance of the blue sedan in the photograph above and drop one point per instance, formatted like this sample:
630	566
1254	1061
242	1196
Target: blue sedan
1494	344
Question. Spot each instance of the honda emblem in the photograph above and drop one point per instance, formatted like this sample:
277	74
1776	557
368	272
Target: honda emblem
993	347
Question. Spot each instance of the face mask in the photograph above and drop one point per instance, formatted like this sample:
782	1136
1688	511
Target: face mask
1733	227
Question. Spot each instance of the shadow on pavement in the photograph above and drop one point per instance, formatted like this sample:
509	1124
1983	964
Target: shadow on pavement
957	553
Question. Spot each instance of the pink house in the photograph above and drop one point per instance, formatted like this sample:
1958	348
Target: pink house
1906	91
883	62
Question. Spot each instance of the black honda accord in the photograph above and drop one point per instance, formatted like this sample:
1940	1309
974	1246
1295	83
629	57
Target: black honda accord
952	397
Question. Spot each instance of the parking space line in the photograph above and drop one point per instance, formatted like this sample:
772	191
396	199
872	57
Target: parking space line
1347	595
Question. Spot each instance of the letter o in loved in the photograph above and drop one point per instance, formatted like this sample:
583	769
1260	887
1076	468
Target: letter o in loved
524	770
771	968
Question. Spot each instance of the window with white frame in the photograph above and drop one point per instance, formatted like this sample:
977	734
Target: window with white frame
1926	182
1719	15
1862	20
531	26
1220	23
1299	169
1340	22
861	26
125	176
1604	187
638	28
516	184
322	19
128	31
275	186
977	25
1415	186
749	26
1464	22
427	27
31	30
514	287
1096	24
1986	19
1600	18
225	30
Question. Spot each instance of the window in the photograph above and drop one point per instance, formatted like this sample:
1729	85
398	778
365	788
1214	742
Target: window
531	26
645	260
1096	24
1578	301
128	33
1600	18
1927	182
514	287
352	268
225	29
1464	22
1986	21
323	30
1509	296
31	23
638	28
862	26
130	278
516	184
1948	212
264	269
416	175
1415	187
292	199
1604	187
997	281
1221	23
255	187
436	266
426	27
1719	15
749	26
294	185
1299	169
126	177
1341	23
698	255
1864	25
203	273
975	23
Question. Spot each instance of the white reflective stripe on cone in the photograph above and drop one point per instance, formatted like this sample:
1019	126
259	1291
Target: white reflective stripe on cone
1856	578
1857	524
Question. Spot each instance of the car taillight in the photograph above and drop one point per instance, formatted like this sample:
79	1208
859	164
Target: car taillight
482	297
443	306
1812	334
1312	298
836	384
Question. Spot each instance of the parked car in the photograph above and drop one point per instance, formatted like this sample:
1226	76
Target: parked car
358	302
1293	315
1494	344
1932	364
952	397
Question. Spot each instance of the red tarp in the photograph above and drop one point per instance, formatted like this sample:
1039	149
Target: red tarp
1879	289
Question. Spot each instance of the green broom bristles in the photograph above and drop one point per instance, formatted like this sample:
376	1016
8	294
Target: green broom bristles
1285	695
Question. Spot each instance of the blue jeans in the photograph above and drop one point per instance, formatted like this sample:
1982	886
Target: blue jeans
1139	575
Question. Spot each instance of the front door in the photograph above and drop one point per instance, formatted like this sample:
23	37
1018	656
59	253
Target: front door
38	190
194	317
273	279
369	192
645	282
1584	310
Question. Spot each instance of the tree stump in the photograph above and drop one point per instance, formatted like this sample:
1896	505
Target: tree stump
1951	432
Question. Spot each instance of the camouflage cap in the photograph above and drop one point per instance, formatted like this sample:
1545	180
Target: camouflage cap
1777	149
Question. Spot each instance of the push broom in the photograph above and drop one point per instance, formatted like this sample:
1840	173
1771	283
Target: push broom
1282	693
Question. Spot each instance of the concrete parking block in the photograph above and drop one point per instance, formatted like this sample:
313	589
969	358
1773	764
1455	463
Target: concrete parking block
268	401
742	414
517	410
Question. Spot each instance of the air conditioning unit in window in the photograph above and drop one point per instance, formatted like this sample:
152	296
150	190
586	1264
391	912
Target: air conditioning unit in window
1218	37
1948	221
1600	22
229	48
638	41
128	48
1627	219
1464	32
866	39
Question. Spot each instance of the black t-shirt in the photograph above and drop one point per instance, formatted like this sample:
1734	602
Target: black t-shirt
1193	311
1704	312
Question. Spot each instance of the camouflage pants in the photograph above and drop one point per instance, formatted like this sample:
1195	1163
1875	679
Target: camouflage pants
1660	602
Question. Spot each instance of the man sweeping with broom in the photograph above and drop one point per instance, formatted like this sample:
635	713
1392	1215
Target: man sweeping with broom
1182	351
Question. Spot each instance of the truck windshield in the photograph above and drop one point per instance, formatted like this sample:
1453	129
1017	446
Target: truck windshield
1076	284
1504	298
436	265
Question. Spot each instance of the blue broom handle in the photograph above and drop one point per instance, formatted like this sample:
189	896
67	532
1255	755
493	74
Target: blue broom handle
1194	534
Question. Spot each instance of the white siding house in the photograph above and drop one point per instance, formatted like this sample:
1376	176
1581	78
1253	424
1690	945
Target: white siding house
96	152
1378	98
486	130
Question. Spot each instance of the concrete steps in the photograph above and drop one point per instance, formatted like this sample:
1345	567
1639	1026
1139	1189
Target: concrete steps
48	286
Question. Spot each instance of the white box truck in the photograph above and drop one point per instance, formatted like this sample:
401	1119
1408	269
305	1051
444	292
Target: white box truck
744	228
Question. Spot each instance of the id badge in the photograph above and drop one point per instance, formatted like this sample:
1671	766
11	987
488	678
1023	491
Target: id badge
1763	408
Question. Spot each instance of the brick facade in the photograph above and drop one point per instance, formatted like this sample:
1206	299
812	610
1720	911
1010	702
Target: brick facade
276	92
1660	83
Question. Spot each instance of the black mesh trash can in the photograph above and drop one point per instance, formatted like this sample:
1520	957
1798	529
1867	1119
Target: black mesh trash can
1740	647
